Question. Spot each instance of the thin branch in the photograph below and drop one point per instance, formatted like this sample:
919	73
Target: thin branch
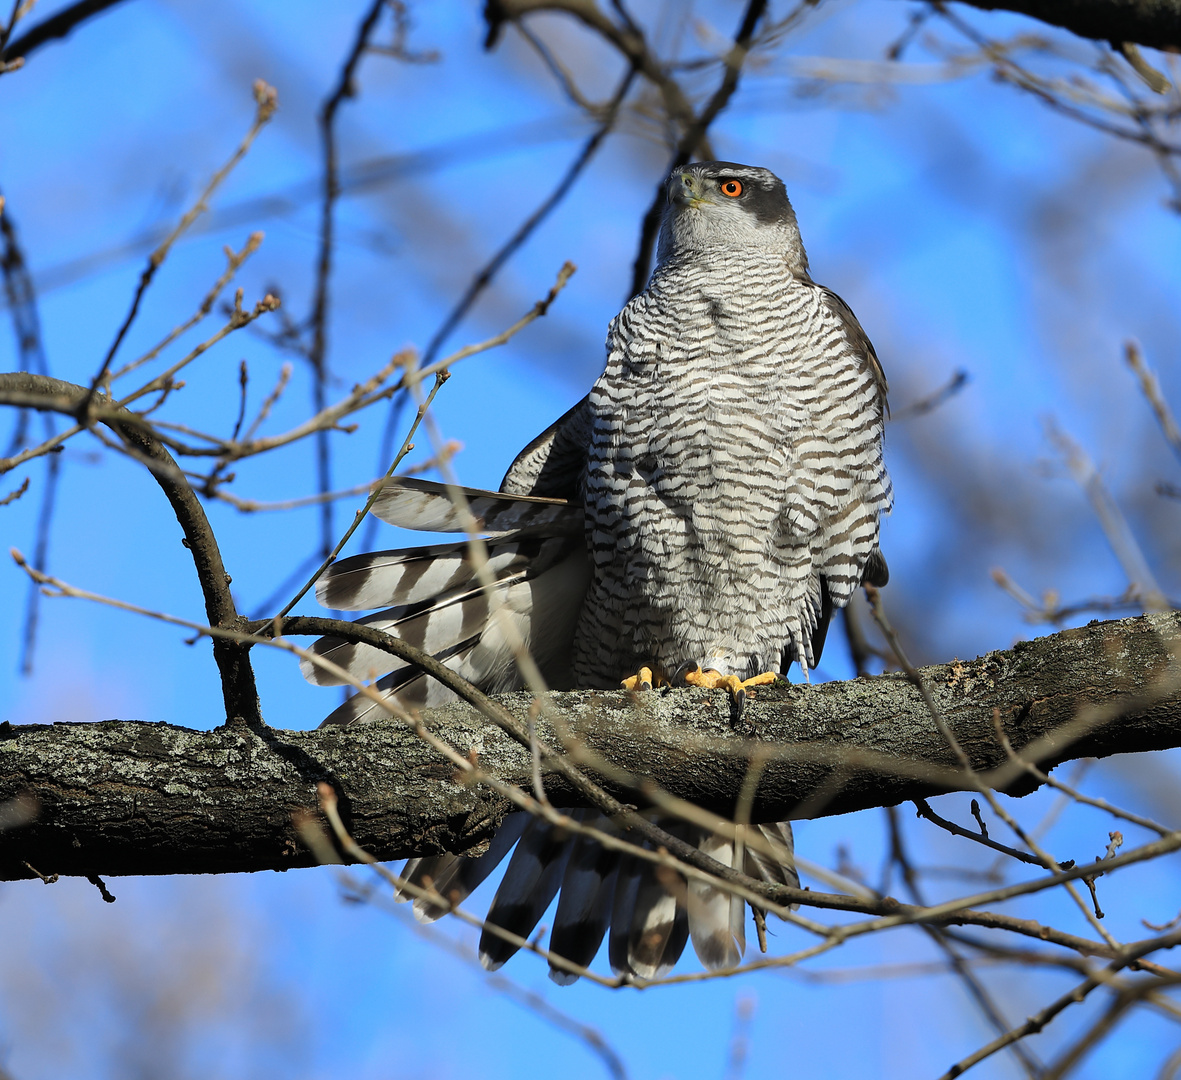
925	811
1115	526
16	493
1150	387
1039	1020
932	401
318	319
57	26
267	102
1051	610
234	261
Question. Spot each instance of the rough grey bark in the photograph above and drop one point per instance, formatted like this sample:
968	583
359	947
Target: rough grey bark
127	797
1155	23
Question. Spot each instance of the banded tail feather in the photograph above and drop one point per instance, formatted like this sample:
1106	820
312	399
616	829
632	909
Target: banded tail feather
717	916
585	901
530	883
454	876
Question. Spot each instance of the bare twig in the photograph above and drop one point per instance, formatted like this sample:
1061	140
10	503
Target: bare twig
46	879
1051	610
925	811
1115	525
16	493
59	25
1153	79
933	400
234	261
1150	386
1079	993
266	103
318	319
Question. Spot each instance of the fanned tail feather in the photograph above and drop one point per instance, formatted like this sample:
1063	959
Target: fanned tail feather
538	593
381	579
716	916
659	924
456	877
529	884
780	869
585	900
649	922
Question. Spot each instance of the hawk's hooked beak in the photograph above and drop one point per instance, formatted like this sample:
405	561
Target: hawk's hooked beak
685	189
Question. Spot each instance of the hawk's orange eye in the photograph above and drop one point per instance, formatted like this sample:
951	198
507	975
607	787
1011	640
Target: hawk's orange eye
732	188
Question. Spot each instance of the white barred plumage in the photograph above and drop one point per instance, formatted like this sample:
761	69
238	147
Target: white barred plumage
709	503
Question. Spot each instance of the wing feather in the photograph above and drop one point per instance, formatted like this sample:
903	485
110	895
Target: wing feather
428	507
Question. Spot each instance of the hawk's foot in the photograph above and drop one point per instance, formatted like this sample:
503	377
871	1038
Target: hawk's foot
711	680
641	680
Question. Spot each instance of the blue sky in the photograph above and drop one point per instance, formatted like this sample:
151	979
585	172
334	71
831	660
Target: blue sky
966	225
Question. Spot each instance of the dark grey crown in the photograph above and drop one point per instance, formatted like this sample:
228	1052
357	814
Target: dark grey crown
763	194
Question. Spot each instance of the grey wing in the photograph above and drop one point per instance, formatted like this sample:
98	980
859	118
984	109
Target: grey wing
433	600
859	340
552	464
852	554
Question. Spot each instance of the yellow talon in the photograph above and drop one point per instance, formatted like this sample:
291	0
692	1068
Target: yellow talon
711	680
707	680
642	680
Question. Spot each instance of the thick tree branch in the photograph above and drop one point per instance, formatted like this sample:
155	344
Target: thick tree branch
1155	23
123	797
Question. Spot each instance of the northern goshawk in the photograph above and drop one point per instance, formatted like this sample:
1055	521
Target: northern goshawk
696	518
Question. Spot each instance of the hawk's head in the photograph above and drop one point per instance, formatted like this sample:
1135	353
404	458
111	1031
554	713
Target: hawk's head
716	205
